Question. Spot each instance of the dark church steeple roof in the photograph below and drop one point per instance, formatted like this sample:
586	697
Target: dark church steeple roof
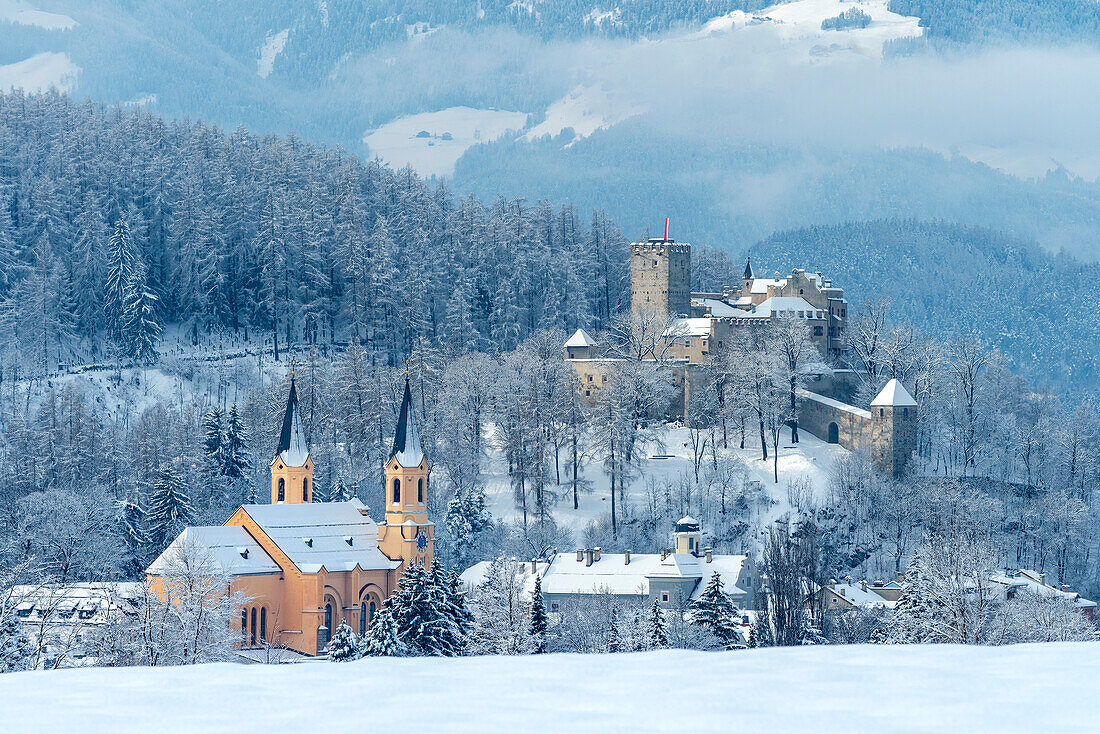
292	440
406	439
748	269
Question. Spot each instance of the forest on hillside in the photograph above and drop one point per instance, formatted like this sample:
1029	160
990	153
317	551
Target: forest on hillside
116	223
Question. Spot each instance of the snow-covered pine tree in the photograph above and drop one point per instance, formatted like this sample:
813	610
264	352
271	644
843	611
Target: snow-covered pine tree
540	620
235	461
140	330
459	611
382	639
466	519
132	521
420	612
657	632
614	636
714	610
915	608
343	646
122	264
213	439
168	507
16	649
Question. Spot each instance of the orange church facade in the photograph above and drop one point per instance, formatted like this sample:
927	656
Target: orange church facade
307	566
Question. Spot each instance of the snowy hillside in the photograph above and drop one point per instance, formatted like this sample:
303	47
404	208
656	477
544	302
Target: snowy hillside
39	73
843	689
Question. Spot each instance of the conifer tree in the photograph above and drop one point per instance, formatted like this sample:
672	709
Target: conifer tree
382	639
540	621
169	506
614	636
235	461
122	264
657	634
714	610
420	611
343	646
140	330
16	650
459	611
132	520
213	437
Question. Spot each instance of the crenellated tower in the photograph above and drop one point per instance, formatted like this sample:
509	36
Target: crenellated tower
406	534
660	276
292	467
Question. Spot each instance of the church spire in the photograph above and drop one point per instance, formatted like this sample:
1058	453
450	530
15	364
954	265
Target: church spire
748	269
406	439
292	441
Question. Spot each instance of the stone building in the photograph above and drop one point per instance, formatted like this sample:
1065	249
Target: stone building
307	566
660	276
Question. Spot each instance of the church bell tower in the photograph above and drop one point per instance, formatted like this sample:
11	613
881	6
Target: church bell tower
292	467
405	534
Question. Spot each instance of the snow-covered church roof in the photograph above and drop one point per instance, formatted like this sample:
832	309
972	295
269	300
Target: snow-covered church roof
230	549
894	395
293	449
406	439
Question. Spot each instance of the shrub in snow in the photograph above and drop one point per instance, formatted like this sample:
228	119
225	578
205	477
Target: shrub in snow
851	18
657	632
343	646
382	639
16	650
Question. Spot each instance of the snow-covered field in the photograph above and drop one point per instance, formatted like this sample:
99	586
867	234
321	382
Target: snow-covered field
585	109
39	73
809	460
826	689
450	133
23	13
798	24
273	46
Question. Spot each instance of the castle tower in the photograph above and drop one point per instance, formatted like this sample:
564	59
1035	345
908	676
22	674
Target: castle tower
686	535
405	534
292	467
893	428
660	276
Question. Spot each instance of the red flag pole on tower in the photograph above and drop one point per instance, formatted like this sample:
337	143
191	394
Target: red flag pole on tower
666	228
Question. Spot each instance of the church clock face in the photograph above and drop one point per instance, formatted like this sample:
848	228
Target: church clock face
421	540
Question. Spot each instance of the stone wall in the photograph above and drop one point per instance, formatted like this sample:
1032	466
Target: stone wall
660	277
854	426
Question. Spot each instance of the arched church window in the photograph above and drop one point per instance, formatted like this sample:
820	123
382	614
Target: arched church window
282	489
420	490
396	490
362	618
244	627
263	624
370	611
253	628
305	490
328	617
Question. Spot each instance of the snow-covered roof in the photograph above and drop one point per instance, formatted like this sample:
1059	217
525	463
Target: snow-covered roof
860	597
807	395
784	304
316	534
475	574
1032	580
721	309
580	338
292	439
96	601
894	395
406	439
612	574
760	285
232	549
702	326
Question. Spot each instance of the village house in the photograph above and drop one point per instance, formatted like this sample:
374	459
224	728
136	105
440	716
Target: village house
307	566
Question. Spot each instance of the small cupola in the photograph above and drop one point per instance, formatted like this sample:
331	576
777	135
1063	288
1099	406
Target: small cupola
687	535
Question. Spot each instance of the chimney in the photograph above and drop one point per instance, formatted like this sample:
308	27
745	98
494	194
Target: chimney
1043	579
626	558
596	551
710	557
863	584
664	553
1065	588
588	557
534	566
848	580
842	590
901	577
580	555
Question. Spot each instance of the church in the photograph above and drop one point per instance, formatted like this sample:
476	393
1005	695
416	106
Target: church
306	566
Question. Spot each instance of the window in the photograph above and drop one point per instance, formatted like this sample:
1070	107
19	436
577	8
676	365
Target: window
905	412
263	624
664	597
328	617
362	618
817	331
253	628
244	627
420	491
691	543
282	489
305	490
590	378
553	606
370	612
396	490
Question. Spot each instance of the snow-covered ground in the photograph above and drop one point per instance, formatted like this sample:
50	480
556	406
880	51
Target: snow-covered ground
450	133
668	460
273	46
40	72
798	24
822	689
23	13
585	109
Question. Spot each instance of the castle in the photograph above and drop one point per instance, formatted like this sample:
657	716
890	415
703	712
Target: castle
700	324
307	566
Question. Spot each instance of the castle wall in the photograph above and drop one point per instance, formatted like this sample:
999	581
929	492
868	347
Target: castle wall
854	426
